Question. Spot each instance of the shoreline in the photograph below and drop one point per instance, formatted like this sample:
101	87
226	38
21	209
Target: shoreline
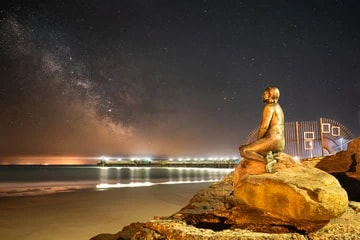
83	214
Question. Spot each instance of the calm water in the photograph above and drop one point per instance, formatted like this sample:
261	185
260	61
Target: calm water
37	180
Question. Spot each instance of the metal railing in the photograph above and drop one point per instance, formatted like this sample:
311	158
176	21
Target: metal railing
306	139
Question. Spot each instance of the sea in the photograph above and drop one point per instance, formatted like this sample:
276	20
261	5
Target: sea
30	180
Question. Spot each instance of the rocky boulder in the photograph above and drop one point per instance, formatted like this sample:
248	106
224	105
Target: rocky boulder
297	193
347	161
220	207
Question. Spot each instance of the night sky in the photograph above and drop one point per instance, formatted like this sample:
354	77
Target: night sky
176	78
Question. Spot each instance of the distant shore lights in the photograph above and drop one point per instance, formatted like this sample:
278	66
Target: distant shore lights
108	159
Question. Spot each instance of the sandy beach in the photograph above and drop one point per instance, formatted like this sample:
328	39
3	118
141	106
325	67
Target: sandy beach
84	214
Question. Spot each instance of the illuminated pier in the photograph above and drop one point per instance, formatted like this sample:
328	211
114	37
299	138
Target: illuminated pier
209	162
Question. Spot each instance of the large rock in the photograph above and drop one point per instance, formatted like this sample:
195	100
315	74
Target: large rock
217	208
296	193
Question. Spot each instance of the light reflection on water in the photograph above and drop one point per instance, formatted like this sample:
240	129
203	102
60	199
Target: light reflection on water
120	176
38	180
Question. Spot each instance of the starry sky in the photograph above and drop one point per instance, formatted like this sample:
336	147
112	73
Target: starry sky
175	78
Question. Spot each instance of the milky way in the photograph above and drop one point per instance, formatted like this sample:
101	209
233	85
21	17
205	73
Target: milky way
182	78
56	98
60	103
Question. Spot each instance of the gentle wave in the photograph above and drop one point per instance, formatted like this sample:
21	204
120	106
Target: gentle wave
17	190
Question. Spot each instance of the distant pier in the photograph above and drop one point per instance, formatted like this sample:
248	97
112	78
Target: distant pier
189	163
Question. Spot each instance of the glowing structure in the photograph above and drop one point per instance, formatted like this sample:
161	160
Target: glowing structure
216	162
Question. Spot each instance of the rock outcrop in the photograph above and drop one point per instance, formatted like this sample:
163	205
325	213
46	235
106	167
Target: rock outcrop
297	194
343	162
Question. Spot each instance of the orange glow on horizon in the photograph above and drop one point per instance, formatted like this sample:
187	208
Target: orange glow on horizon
47	160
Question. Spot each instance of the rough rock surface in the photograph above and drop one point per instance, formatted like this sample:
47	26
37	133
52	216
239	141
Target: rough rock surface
253	167
343	162
296	193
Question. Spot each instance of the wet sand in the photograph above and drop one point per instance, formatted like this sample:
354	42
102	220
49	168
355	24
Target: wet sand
84	214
